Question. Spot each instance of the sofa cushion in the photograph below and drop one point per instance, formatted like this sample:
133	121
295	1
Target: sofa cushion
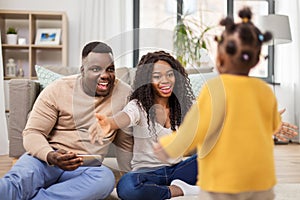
22	94
46	76
198	80
126	74
63	70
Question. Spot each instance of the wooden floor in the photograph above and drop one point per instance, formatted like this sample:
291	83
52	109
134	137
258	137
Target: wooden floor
287	158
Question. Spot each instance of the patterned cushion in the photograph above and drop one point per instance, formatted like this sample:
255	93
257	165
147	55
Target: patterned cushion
198	80
46	76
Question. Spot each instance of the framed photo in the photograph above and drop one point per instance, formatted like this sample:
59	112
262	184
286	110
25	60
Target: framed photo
48	36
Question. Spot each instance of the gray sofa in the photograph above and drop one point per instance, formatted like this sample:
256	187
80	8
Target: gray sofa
23	92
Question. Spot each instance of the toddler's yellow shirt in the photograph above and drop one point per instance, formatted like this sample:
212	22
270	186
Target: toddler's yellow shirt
242	159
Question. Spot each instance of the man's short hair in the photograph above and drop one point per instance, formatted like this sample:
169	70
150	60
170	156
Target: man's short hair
96	47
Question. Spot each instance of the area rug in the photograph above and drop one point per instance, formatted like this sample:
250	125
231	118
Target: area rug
287	191
283	191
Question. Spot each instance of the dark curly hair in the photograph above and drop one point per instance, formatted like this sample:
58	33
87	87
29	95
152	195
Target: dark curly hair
180	100
249	35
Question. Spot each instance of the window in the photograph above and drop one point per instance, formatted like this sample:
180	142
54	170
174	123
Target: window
156	20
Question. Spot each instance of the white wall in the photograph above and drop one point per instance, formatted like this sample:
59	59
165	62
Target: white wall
287	63
3	124
71	7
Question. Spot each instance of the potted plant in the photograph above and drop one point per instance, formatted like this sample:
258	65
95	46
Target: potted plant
190	42
11	35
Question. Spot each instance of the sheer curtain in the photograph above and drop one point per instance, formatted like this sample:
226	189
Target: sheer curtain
110	21
3	125
287	63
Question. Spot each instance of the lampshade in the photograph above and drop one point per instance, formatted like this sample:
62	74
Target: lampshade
278	25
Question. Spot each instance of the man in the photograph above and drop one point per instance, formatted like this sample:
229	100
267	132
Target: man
56	134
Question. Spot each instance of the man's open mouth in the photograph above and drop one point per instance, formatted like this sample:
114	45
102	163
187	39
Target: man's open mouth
103	85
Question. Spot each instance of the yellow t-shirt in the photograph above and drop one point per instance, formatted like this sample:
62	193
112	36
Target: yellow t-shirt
242	159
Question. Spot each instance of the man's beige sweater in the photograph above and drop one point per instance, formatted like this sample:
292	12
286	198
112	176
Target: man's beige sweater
62	115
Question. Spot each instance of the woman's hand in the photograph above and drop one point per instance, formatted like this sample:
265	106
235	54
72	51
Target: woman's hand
99	129
65	160
286	130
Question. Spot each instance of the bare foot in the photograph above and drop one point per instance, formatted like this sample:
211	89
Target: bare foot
175	191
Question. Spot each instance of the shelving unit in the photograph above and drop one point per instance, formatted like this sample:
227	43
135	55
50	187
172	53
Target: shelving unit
27	56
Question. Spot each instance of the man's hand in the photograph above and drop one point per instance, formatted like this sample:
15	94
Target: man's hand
65	160
99	129
286	130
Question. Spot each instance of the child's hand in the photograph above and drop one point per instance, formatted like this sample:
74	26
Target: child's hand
160	153
100	129
286	130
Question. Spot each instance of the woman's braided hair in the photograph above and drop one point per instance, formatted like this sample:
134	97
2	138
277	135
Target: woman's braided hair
182	96
250	36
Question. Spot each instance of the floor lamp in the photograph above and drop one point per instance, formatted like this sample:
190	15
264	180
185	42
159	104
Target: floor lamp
279	26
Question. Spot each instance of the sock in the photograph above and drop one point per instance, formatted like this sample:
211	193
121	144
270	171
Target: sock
187	189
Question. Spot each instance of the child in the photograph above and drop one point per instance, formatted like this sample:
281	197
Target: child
162	96
234	138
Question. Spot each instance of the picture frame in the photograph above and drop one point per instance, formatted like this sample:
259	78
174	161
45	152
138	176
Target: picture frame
48	36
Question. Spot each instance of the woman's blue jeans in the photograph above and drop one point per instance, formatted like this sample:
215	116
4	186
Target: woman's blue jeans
153	185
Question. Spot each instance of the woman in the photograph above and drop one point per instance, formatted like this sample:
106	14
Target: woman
161	98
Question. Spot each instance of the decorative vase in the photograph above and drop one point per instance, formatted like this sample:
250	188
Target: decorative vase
11	68
11	38
20	72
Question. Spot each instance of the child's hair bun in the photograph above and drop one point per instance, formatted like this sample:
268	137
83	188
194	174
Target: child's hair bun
245	14
231	47
228	23
267	36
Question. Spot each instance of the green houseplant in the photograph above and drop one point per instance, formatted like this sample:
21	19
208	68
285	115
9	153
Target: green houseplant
189	41
11	30
11	36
